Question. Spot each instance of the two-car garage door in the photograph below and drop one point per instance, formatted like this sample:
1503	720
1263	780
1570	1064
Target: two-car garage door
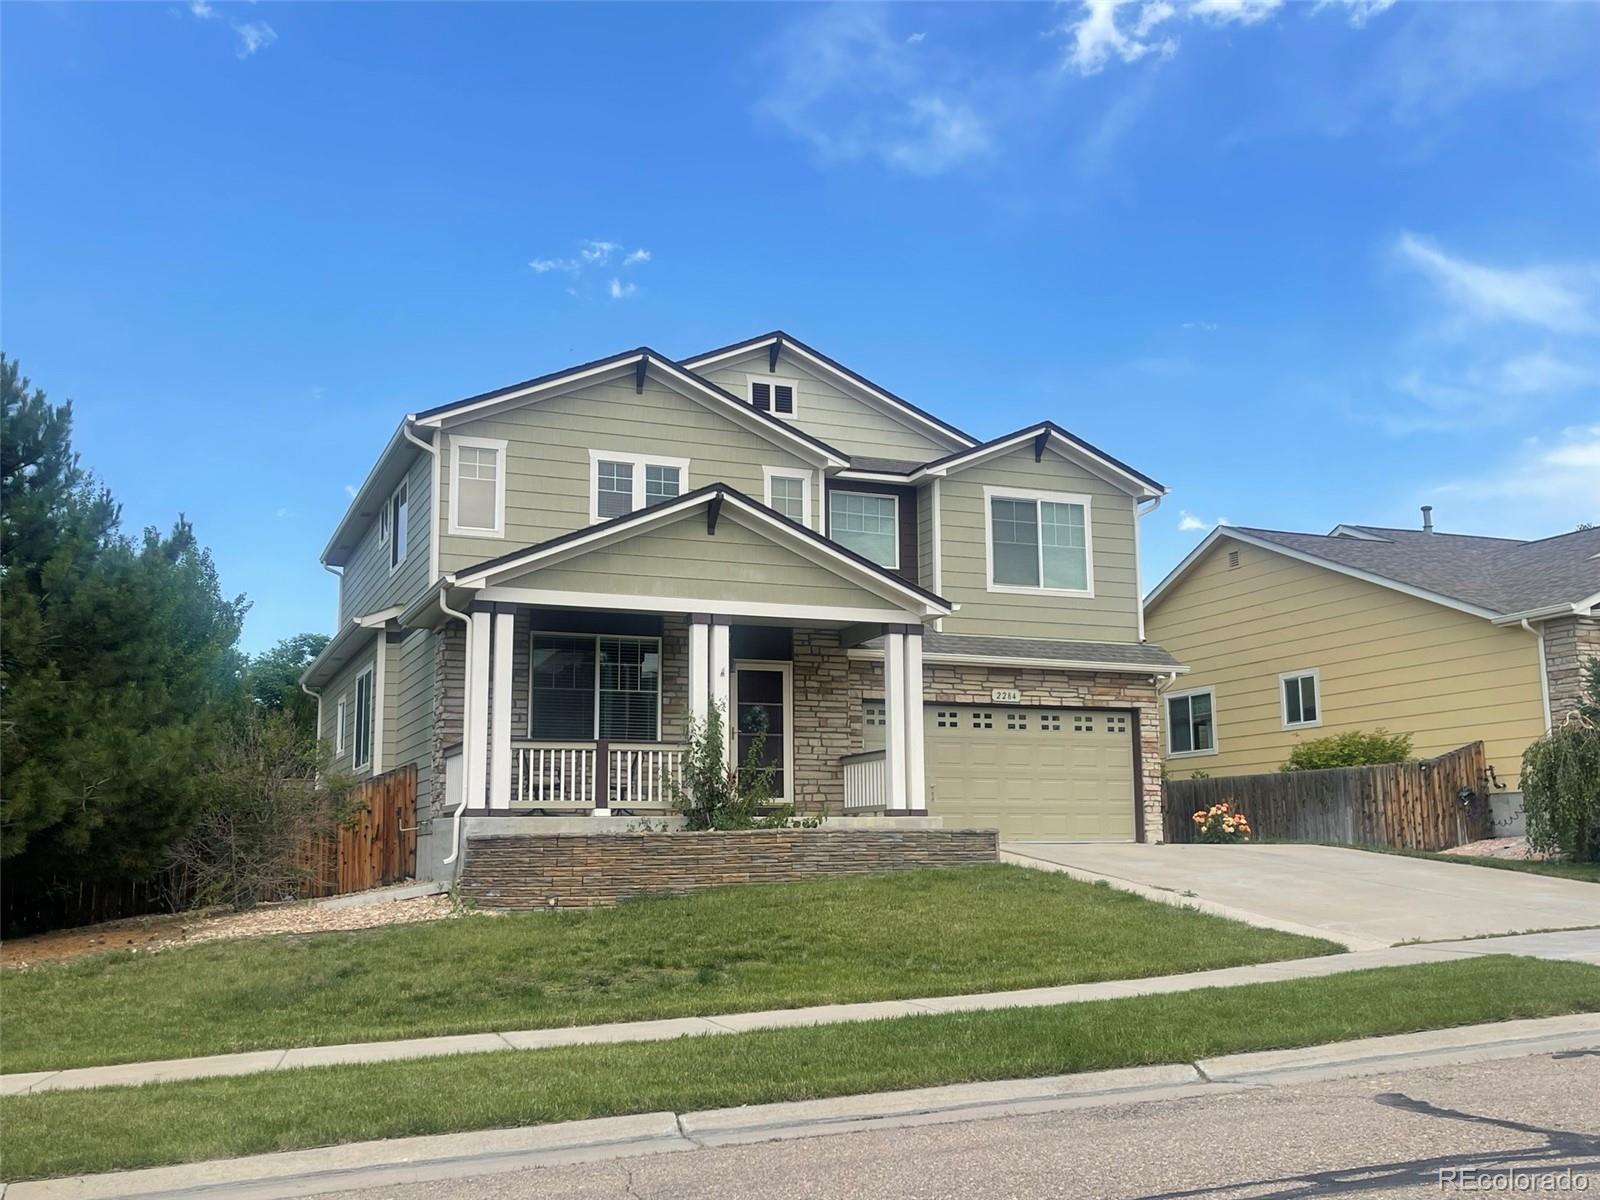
1063	774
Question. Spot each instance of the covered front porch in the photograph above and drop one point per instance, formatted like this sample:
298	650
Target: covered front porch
577	698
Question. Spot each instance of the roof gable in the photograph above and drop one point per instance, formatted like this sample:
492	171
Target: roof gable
1047	435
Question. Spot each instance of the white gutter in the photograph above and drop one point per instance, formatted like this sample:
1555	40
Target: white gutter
1544	672
433	496
466	690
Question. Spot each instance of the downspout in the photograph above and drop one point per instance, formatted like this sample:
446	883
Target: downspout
1138	567
433	498
466	708
338	604
1544	672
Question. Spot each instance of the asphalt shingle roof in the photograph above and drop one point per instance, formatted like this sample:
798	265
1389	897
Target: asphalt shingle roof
1501	575
1112	654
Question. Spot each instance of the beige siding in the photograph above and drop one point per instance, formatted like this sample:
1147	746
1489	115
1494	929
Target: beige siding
344	685
682	560
367	585
1384	659
547	488
825	410
1110	615
411	664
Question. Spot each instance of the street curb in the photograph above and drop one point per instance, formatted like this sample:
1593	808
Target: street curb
453	1156
1353	942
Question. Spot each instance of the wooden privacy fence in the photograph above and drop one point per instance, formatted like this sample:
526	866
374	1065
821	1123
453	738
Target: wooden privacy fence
1411	805
378	847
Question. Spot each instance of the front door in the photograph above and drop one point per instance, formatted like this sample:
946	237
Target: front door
763	704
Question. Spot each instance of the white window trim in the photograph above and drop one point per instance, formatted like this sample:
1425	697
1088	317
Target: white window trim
383	525
638	462
776	381
372	733
786	669
340	713
832	492
1004	493
768	474
388	508
1166	713
1283	701
594	728
502	469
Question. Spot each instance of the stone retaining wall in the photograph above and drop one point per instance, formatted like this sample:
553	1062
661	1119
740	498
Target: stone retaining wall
527	871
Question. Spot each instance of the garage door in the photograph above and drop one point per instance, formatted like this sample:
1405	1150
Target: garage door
1063	774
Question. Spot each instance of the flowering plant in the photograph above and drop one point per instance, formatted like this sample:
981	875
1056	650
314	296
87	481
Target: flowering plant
1220	823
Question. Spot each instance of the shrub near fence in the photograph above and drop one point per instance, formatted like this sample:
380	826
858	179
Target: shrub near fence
378	847
1410	806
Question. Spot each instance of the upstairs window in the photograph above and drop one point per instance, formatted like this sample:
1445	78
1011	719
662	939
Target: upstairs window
868	523
477	486
789	492
773	395
1299	692
621	483
364	714
1039	542
399	522
1191	723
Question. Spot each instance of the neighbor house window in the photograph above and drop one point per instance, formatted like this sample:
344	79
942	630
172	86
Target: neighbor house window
341	714
586	687
622	483
364	714
1039	542
399	523
868	523
790	493
1191	723
477	486
773	395
1299	692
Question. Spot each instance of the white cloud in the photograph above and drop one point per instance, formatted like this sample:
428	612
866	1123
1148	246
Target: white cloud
1187	521
597	253
584	268
621	291
1240	12
1546	485
635	257
350	490
1360	11
1201	326
853	89
202	10
1558	299
253	36
914	39
542	265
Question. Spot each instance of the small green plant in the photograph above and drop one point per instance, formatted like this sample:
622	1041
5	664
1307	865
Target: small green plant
1353	749
713	795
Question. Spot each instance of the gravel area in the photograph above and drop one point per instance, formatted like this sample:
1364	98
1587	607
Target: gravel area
155	933
1505	847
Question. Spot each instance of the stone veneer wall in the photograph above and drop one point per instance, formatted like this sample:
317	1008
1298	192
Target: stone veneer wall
822	716
449	695
585	870
1569	643
952	683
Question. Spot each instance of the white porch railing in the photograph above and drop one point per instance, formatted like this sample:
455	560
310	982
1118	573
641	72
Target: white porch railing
563	775
866	782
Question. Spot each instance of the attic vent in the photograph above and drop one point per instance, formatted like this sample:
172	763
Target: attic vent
1233	559
773	395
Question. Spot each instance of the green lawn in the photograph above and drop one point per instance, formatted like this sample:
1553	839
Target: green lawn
58	1133
917	933
1587	872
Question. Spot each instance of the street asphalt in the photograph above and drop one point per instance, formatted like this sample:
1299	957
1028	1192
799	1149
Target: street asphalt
1375	1136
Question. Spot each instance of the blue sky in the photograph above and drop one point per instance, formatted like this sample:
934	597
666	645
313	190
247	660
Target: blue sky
1303	263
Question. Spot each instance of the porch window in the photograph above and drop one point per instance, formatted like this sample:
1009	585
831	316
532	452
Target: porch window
867	523
363	730
587	687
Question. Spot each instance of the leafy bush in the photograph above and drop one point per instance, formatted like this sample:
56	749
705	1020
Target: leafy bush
1354	749
712	795
1561	791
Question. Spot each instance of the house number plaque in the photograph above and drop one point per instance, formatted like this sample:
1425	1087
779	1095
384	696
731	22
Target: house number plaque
1005	695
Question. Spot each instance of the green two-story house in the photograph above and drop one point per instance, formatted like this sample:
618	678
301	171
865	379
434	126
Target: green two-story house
540	587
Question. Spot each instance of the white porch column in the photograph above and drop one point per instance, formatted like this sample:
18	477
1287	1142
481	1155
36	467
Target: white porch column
721	678
916	791
894	712
699	667
475	755
500	756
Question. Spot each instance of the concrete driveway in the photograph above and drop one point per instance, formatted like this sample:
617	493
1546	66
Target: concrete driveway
1363	899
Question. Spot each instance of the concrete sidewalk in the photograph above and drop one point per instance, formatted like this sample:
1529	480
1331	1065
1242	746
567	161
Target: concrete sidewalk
432	1159
1583	946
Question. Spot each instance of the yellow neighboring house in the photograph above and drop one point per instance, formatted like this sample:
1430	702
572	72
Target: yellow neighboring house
1447	637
